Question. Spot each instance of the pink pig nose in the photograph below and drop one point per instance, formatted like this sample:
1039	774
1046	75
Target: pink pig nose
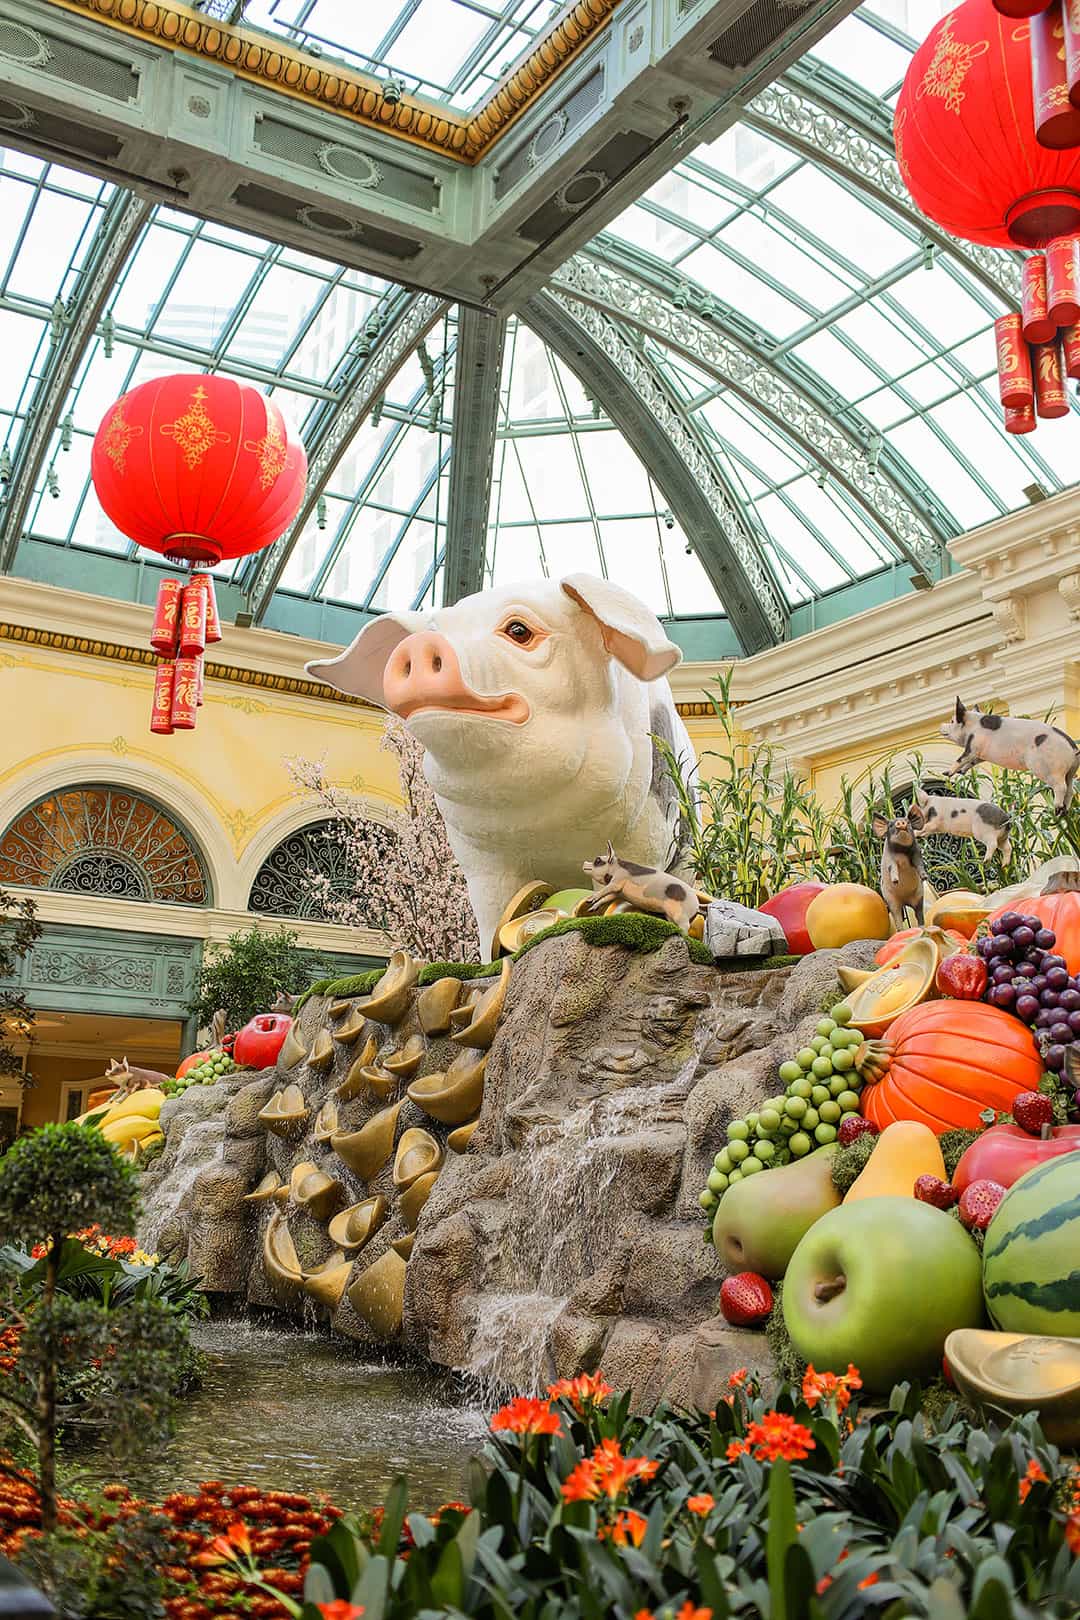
423	672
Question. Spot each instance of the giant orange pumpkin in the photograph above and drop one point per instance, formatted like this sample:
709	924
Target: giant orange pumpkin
1059	911
943	1062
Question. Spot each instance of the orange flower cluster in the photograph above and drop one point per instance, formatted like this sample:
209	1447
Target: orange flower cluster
830	1387
776	1436
628	1529
525	1415
9	1348
340	1609
1036	1475
589	1389
861	1586
701	1504
607	1473
687	1612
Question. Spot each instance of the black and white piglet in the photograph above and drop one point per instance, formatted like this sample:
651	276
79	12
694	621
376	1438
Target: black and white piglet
901	864
980	819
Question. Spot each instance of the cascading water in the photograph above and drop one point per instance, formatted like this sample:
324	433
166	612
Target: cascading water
202	1143
565	1221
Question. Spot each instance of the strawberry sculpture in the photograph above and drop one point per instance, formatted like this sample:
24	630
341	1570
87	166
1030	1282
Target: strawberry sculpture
745	1299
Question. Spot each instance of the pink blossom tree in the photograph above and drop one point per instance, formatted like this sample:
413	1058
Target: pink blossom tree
403	876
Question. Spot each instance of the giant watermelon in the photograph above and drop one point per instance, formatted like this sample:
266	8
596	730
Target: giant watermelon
1031	1258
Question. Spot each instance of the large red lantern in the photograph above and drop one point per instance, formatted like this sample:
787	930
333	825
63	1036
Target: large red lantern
965	135
199	469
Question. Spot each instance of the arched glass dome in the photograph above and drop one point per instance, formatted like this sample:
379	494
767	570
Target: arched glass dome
815	357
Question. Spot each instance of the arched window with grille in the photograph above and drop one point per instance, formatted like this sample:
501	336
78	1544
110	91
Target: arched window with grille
94	838
286	883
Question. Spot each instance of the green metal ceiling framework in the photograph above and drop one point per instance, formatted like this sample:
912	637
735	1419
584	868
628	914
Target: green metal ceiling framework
653	348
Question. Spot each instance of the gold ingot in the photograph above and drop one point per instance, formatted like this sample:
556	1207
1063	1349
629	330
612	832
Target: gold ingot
417	1153
877	999
463	1013
697	927
353	1083
378	1295
480	1032
298	1172
1020	1372
435	1003
351	1029
351	1228
527	899
404	1245
265	1190
286	1113
338	1009
513	935
326	1122
415	1197
280	1259
319	1194
366	1151
326	1283
459	1140
322	1053
378	1082
406	1062
455	1096
293	1050
389	1000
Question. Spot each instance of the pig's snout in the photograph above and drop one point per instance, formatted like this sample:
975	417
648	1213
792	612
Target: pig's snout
423	672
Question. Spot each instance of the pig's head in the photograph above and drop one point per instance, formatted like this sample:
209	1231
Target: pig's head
524	682
955	730
900	830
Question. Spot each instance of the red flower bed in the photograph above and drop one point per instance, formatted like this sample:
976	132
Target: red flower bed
279	1526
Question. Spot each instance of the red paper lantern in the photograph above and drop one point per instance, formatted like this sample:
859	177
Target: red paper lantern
965	135
1020	8
198	468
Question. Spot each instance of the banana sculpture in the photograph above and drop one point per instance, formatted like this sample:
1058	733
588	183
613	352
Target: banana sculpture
130	1122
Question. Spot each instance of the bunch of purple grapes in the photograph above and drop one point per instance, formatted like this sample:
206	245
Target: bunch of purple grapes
1029	980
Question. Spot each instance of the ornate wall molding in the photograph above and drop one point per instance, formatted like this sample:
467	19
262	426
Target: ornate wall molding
273	65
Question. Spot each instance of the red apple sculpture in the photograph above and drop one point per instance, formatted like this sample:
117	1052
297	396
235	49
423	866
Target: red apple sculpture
259	1042
789	907
1006	1152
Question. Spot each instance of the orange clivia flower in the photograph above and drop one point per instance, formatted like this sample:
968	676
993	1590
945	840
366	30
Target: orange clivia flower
1035	1475
1072	1534
779	1436
581	1484
870	1580
615	1472
587	1389
340	1609
689	1612
832	1387
738	1378
629	1529
525	1415
701	1504
226	1549
644	1614
737	1448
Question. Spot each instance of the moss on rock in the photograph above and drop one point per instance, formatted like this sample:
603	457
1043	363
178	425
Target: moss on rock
360	984
631	929
790	1366
458	970
850	1162
953	1145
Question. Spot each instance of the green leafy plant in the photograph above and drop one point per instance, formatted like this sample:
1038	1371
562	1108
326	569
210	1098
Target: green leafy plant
244	975
95	1571
60	1177
19	929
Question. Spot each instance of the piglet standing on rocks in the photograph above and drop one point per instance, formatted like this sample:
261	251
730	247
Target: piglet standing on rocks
1015	744
646	888
901	865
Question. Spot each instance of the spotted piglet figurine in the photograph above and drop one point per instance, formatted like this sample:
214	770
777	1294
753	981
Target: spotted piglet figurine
646	888
901	865
1016	744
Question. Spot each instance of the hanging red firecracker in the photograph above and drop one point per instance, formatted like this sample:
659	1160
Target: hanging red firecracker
1057	121
1037	325
161	710
193	621
1015	384
213	623
1049	368
965	135
1062	300
185	697
166	617
1070	341
200	469
1070	13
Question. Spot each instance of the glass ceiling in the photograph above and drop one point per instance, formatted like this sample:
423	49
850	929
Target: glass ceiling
811	274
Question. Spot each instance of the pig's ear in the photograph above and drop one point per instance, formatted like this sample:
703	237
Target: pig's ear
960	711
880	826
359	669
631	632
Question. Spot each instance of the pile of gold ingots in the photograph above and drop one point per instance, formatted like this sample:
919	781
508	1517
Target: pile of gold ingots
537	906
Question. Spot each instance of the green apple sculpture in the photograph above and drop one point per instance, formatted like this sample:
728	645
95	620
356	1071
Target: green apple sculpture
882	1283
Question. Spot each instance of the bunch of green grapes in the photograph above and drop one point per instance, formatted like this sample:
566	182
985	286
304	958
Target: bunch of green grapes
821	1089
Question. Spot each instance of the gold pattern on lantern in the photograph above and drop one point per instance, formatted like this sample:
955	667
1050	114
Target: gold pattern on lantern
118	436
271	451
949	67
194	433
898	133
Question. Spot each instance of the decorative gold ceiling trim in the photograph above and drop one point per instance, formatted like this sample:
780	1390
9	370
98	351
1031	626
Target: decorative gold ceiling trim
259	58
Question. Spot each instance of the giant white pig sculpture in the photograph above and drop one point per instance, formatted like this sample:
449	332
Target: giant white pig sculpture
536	705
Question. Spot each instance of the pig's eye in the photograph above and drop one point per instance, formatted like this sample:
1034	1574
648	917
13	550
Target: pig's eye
519	633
